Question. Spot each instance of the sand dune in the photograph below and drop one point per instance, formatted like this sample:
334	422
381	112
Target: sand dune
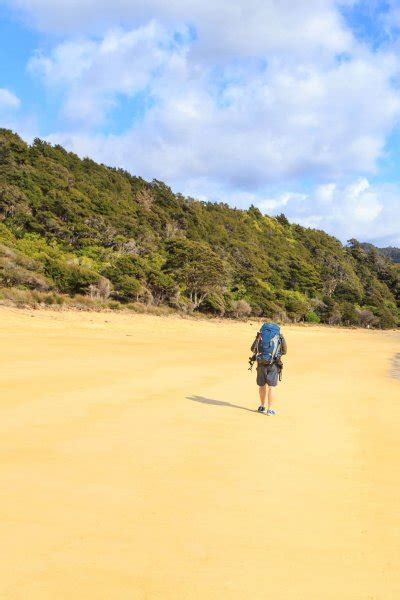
134	467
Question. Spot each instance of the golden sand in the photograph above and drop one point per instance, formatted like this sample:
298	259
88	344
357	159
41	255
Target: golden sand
134	467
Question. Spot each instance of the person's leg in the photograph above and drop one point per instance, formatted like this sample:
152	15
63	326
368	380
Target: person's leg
263	392
272	382
262	386
271	396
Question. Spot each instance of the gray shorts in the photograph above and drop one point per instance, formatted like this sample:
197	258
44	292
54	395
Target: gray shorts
267	374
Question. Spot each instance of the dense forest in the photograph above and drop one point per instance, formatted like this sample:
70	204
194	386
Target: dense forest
389	251
71	228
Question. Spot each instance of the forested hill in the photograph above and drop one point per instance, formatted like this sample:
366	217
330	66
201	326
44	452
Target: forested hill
71	227
389	251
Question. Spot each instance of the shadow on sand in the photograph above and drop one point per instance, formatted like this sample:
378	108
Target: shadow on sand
217	402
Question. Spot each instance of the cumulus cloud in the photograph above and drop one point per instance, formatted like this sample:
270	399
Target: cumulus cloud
9	110
250	27
359	209
8	100
14	117
261	91
93	73
246	123
238	96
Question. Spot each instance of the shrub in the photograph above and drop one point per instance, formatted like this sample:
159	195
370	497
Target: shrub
347	292
114	305
387	320
71	278
17	270
367	318
101	289
350	315
329	311
312	317
6	237
241	309
296	304
127	275
214	303
18	297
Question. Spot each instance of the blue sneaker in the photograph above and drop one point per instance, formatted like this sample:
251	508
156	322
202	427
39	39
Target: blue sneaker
261	409
271	412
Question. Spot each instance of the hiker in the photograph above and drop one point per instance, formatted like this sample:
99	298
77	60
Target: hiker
267	348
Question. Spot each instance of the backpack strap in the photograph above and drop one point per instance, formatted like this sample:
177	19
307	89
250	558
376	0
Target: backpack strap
275	349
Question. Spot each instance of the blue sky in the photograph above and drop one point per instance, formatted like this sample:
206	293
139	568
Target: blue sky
293	107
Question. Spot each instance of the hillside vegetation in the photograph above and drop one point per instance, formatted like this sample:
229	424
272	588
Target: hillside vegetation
389	251
74	228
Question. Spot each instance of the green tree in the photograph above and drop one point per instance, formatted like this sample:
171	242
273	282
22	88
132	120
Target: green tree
127	275
197	268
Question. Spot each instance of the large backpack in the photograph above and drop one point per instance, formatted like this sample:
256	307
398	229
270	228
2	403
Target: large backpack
269	343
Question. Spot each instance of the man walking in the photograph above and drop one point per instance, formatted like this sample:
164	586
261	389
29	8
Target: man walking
267	348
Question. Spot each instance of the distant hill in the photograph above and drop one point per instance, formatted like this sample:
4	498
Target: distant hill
74	229
390	251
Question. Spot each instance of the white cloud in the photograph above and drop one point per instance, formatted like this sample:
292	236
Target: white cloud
325	192
250	27
270	205
359	209
93	73
14	117
246	125
8	100
267	90
10	116
239	96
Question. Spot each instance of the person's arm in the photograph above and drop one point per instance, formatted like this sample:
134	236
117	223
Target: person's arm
283	345
254	345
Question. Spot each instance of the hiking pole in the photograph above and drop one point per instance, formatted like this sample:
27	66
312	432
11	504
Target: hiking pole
252	360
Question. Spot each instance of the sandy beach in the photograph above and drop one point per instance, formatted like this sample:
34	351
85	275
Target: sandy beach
135	467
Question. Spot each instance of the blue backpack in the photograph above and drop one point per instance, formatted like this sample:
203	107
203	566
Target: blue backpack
269	343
